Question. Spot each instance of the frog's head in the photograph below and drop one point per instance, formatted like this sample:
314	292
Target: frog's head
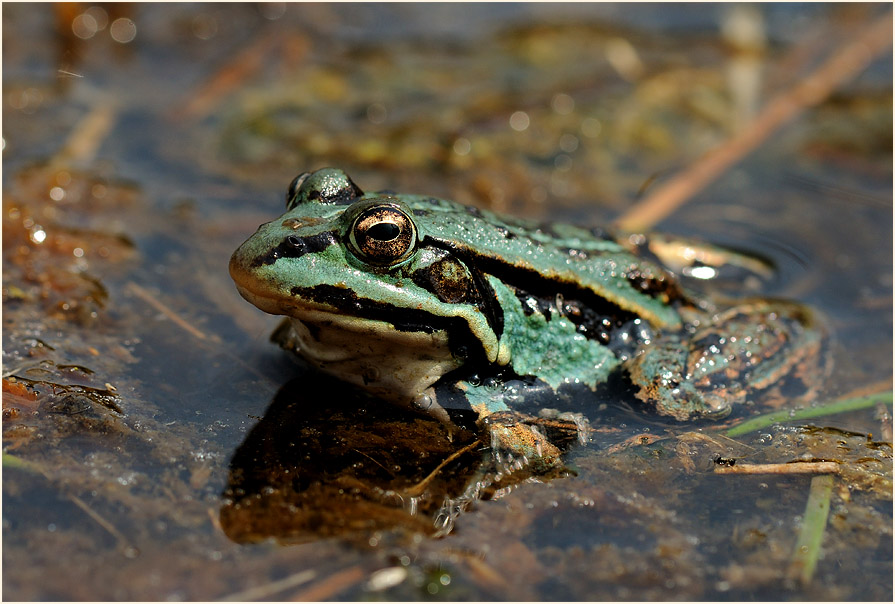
340	261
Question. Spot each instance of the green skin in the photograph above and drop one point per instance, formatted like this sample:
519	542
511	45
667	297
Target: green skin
397	293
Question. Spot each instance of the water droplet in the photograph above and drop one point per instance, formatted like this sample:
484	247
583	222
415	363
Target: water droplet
123	30
519	121
462	146
562	103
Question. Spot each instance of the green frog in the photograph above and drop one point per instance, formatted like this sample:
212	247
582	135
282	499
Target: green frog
402	295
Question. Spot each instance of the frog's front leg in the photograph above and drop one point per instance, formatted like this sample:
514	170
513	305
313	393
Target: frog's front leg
746	348
514	436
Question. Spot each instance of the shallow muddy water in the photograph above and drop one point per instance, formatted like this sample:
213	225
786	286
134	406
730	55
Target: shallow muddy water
158	447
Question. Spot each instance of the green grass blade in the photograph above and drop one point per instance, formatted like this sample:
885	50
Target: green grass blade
814	524
786	415
12	462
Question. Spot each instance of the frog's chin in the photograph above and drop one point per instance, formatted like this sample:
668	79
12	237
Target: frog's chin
398	366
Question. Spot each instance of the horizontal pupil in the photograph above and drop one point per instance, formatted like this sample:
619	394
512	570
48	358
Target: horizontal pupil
384	231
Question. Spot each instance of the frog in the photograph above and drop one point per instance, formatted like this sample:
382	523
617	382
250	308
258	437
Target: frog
408	296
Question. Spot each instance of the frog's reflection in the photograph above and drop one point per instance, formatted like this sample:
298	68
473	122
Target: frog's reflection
327	461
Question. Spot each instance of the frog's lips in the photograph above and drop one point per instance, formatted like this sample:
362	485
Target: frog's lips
272	300
255	291
268	300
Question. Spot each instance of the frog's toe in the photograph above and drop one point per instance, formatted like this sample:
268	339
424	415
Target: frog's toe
671	394
715	407
517	445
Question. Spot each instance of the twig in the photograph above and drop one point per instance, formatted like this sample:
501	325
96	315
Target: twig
417	489
87	135
814	523
264	592
845	63
807	467
162	308
248	60
786	415
215	521
122	540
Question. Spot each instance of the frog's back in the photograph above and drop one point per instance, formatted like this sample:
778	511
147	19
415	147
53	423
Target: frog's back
553	257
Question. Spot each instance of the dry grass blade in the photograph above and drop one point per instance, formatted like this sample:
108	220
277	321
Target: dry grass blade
108	526
249	60
807	467
844	64
418	489
162	308
87	135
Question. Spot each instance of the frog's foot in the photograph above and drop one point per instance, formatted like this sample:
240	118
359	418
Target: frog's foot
702	260
563	427
517	443
746	348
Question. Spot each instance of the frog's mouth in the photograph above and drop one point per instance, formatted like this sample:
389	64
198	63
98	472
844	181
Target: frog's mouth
367	321
328	305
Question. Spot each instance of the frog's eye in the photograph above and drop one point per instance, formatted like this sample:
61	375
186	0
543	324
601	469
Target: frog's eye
294	186
382	235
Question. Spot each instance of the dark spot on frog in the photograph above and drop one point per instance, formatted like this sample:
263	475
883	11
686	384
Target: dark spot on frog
294	246
532	304
601	233
456	283
449	280
507	234
473	211
421	213
434	201
656	286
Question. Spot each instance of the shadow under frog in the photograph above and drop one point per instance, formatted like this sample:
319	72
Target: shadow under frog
327	460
